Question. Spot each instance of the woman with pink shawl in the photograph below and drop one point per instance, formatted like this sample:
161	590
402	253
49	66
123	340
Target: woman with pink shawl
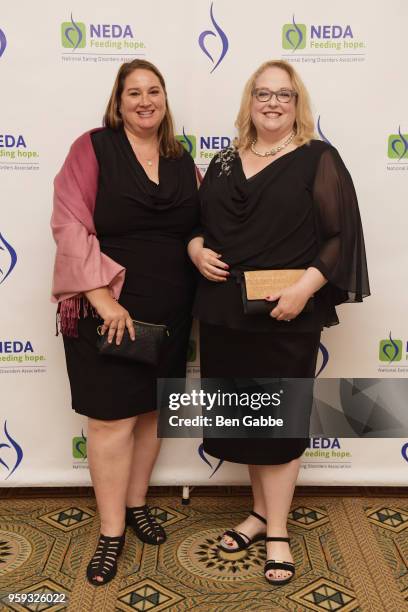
125	205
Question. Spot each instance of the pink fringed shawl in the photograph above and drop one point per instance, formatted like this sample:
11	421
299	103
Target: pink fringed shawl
79	264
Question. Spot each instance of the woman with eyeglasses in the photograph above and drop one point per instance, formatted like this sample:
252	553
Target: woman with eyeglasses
277	200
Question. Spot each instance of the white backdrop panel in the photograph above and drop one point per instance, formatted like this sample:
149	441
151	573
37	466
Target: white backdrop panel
52	92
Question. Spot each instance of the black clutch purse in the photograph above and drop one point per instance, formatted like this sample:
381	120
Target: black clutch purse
257	284
145	348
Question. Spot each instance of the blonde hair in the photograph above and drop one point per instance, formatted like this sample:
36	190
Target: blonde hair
168	145
304	123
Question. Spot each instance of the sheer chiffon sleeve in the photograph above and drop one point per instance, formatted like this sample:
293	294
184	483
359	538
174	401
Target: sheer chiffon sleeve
341	258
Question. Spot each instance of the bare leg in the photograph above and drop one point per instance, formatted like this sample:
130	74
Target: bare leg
251	526
278	484
145	450
110	449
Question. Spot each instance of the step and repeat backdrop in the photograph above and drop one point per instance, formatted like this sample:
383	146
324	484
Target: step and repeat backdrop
57	65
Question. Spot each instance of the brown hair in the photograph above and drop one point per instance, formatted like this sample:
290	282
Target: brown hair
304	124
168	145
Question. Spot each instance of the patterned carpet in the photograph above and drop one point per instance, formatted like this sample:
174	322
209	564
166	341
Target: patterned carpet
351	554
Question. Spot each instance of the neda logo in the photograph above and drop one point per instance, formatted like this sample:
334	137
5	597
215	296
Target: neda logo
79	448
189	142
294	35
73	34
390	350
203	147
398	145
297	36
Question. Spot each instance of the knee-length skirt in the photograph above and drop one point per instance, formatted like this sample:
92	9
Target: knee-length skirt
109	388
234	353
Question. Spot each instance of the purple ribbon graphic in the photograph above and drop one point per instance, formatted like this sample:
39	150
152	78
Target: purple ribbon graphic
390	350
17	448
70	30
6	247
201	452
188	142
399	141
322	136
80	445
325	355
224	40
3	42
295	31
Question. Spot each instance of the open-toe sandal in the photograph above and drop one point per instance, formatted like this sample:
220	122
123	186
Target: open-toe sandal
242	540
275	564
145	525
104	561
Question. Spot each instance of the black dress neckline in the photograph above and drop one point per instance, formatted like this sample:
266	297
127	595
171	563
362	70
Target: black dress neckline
268	166
132	154
165	194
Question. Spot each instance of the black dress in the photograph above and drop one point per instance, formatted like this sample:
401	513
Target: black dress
299	211
144	227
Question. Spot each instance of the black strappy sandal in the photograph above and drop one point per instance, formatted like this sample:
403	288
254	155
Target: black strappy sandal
104	561
145	525
273	564
242	539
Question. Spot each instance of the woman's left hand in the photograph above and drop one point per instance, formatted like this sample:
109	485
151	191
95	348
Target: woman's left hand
292	300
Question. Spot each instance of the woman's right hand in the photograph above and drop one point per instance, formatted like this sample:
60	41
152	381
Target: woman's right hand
115	317
210	265
208	262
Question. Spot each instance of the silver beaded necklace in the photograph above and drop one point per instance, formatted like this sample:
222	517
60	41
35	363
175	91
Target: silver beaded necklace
275	150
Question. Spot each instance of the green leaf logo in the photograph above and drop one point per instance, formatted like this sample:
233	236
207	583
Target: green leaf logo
189	142
294	35
73	34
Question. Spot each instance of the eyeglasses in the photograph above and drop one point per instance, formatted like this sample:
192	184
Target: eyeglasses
283	95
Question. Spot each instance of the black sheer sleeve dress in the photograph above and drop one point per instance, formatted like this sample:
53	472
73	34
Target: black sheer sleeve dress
144	227
299	211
